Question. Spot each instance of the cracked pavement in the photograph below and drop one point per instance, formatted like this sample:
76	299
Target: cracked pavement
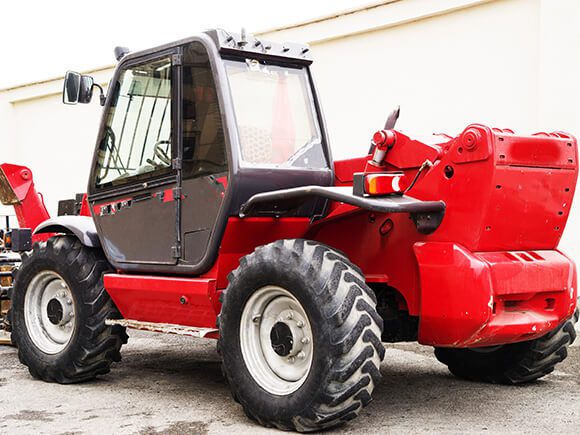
173	385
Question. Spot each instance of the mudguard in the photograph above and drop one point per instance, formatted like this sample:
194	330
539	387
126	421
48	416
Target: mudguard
82	227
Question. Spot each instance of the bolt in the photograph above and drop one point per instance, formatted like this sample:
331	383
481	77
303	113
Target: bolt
300	323
301	355
292	359
256	318
69	301
62	294
69	325
305	340
290	315
62	284
71	315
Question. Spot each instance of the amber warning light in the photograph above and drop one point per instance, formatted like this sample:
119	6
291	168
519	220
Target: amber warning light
379	184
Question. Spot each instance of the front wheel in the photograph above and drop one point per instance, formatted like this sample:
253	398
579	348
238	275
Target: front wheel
300	336
516	363
59	308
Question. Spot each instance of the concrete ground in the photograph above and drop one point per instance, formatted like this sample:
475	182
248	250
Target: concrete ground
173	385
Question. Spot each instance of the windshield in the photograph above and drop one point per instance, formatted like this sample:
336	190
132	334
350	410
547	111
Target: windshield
275	114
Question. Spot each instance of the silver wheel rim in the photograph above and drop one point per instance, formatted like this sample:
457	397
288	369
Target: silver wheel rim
271	316
49	312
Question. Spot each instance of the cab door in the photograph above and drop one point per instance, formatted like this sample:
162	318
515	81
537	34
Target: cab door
133	182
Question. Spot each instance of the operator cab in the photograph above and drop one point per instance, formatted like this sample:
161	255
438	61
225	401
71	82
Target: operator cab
190	131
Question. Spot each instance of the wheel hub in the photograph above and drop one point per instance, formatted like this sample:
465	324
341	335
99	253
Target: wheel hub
276	340
281	338
55	311
49	312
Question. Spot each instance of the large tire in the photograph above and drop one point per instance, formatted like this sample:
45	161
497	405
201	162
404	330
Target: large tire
65	271
329	295
510	364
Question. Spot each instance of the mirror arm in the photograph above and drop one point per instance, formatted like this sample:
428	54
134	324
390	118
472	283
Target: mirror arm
102	96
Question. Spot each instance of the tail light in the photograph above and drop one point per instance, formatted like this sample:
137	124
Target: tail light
379	184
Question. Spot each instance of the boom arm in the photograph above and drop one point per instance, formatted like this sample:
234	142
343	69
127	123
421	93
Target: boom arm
17	189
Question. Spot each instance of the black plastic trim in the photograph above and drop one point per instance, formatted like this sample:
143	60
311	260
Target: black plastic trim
83	227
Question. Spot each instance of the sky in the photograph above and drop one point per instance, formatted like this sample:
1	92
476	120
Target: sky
43	39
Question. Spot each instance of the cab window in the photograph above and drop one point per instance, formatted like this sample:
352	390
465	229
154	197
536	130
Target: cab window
136	142
203	135
275	115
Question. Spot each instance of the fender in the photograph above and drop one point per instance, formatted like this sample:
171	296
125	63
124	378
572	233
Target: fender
82	227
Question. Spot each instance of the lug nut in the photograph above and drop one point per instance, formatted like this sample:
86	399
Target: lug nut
305	340
71	315
300	323
256	318
290	315
292	359
68	301
62	294
301	355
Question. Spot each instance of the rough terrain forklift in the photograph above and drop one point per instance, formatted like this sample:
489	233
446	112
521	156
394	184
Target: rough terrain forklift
216	210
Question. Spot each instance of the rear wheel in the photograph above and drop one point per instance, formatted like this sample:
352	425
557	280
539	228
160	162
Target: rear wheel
511	363
300	336
59	308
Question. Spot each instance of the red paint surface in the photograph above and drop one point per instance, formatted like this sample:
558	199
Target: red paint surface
29	204
158	299
484	299
85	207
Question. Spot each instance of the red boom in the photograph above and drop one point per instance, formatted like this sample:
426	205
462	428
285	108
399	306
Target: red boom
17	189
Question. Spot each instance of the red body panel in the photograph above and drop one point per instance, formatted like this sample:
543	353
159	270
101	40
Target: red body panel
481	299
18	190
490	274
179	301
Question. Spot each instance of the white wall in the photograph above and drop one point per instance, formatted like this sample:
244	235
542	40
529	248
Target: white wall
506	63
54	140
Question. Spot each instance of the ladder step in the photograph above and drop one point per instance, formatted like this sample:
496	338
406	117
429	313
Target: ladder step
166	328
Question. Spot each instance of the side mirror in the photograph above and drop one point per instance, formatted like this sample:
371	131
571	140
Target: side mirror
86	89
71	88
77	88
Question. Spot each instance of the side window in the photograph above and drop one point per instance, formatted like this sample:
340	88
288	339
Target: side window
203	135
137	139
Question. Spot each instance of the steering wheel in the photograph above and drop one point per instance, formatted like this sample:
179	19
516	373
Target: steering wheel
301	152
114	160
160	153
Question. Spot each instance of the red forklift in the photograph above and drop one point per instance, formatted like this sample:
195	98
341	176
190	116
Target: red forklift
214	209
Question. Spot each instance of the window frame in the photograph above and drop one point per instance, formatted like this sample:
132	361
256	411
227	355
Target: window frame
220	113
